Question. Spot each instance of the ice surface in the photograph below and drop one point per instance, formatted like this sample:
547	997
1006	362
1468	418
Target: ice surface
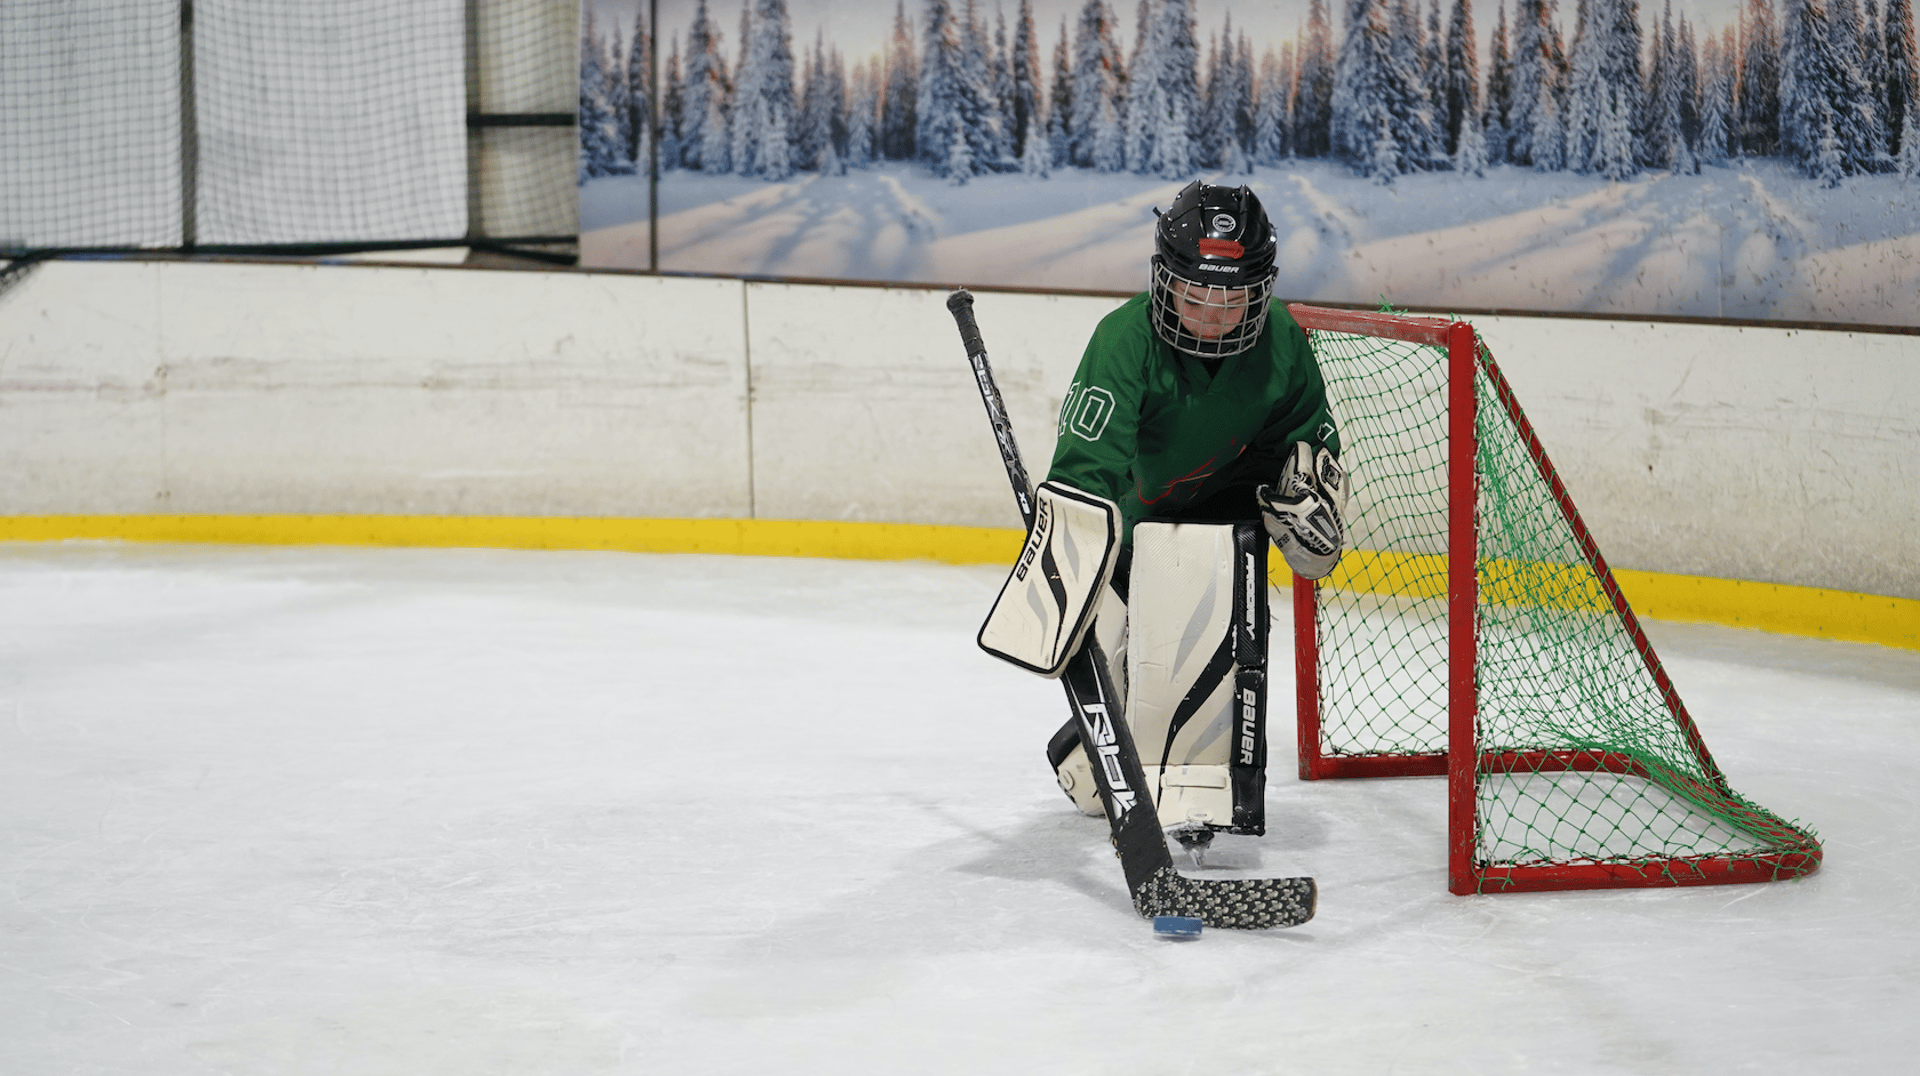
419	812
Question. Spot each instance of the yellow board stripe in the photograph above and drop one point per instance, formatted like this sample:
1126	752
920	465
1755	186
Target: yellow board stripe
742	537
1811	611
1825	614
1775	607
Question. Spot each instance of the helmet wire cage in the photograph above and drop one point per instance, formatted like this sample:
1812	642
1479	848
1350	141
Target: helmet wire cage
1206	320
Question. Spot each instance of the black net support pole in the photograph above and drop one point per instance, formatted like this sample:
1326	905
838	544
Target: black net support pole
189	137
476	222
653	136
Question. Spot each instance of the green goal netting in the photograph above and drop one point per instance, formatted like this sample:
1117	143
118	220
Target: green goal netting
1493	646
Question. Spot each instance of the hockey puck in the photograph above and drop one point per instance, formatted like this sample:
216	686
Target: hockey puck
1176	926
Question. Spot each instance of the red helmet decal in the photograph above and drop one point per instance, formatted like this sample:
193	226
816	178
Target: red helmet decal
1221	248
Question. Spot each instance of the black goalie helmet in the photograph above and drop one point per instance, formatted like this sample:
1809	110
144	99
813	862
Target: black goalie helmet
1212	271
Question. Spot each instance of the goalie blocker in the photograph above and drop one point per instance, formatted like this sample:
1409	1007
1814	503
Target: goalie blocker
1195	674
1050	597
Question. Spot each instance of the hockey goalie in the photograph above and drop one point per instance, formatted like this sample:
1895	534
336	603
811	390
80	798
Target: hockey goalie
1196	429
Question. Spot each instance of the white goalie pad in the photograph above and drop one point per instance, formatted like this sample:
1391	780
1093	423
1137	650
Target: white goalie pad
1110	631
1071	768
1055	587
1196	671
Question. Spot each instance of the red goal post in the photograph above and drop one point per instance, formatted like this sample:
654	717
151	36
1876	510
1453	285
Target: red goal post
1495	646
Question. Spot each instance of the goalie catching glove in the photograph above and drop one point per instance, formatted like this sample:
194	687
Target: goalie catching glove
1304	512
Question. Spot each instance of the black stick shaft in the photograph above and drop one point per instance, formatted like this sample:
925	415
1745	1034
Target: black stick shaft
960	303
1137	836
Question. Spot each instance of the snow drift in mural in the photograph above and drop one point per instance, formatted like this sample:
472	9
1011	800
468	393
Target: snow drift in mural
1632	163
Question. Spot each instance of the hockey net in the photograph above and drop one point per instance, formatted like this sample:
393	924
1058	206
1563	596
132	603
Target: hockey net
1494	646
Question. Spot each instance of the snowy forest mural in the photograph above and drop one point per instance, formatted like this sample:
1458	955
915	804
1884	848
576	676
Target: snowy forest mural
1625	161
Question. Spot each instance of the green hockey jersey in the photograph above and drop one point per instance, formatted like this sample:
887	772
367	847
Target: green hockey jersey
1155	432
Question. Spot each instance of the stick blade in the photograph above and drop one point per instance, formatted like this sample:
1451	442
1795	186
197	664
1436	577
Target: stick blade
1232	903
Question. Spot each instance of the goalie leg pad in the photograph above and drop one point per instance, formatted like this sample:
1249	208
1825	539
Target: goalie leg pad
1072	770
1110	629
1050	597
1197	658
1065	753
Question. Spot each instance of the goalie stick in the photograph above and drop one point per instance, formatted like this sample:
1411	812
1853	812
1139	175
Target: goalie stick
1156	888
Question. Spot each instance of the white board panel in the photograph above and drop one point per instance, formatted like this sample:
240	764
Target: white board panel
317	389
82	406
1774	454
865	407
1786	455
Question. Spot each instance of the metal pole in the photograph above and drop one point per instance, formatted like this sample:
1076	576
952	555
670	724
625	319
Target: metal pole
189	136
476	136
1306	676
1463	600
653	137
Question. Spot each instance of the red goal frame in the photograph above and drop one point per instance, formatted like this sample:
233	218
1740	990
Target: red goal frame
1466	358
